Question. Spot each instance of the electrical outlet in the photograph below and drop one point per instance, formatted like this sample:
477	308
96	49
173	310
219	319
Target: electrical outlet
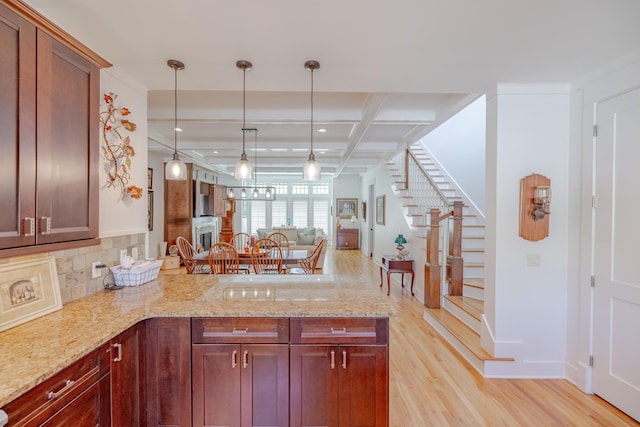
134	252
123	253
96	269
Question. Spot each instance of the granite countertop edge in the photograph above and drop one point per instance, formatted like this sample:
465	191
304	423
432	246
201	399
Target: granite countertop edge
37	350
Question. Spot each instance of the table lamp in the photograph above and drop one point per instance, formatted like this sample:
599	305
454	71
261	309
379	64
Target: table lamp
353	219
400	241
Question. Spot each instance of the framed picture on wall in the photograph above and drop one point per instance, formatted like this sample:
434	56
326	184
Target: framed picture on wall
150	210
346	208
380	210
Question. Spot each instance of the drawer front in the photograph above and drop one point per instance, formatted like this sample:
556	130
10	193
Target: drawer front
340	331
240	330
47	398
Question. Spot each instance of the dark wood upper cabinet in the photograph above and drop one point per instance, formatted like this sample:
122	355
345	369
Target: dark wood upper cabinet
49	95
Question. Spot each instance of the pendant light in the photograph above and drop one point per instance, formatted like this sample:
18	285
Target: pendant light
243	167
311	170
175	170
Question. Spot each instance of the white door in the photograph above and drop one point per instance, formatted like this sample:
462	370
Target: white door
616	351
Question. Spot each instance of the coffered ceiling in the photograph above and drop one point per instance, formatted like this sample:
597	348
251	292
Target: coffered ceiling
390	72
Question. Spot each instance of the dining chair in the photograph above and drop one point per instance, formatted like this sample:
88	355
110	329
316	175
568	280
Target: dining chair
282	240
308	265
223	259
187	252
266	257
241	241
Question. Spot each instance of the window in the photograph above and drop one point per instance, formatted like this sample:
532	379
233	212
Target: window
300	213
321	214
321	188
258	215
300	188
278	213
282	188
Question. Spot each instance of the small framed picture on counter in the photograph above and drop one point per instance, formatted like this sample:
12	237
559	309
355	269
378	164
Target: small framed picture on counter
28	289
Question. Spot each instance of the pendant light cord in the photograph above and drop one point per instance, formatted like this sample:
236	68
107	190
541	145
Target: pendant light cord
244	108
175	111
311	153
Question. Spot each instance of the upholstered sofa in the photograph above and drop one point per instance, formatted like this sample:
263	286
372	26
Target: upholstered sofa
300	239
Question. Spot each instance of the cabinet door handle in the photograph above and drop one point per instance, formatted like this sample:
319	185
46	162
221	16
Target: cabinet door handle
53	394
245	359
234	359
28	227
240	331
344	359
333	359
118	348
45	225
340	331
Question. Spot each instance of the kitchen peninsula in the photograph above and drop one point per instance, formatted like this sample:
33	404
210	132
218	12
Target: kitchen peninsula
263	324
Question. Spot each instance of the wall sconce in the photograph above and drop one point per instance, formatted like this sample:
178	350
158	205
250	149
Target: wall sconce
535	207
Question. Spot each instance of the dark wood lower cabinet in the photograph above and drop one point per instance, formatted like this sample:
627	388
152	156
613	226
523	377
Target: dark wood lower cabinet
236	372
339	386
128	397
168	368
240	385
77	395
91	408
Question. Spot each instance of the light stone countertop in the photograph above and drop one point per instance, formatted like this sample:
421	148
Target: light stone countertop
36	350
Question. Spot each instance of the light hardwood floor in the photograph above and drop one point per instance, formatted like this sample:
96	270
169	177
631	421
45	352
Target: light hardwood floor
431	385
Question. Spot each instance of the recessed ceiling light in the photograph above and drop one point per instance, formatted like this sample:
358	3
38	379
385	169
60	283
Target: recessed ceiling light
298	149
215	151
178	129
279	149
322	130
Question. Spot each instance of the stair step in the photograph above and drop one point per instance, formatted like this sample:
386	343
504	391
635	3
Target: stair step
473	307
462	333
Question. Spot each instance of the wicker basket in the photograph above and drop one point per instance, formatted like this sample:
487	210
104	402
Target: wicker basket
138	274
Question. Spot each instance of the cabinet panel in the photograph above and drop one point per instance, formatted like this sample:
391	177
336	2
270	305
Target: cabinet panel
265	385
339	386
240	330
91	408
67	129
314	386
178	208
168	371
128	395
364	386
216	384
55	393
347	238
339	331
240	385
17	127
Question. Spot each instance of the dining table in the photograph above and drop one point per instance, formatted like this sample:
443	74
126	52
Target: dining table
289	257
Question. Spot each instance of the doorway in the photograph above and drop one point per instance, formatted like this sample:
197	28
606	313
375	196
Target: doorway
616	295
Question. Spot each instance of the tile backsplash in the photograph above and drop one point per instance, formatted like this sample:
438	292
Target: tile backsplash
74	265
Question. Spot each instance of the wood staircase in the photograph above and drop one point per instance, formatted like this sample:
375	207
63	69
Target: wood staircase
459	318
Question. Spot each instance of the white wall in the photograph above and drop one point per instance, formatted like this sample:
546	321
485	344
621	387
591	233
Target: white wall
395	223
526	311
347	187
129	216
459	146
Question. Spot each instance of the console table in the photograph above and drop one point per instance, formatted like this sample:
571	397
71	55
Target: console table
391	265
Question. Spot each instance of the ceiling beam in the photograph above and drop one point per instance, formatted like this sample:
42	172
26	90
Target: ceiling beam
372	107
